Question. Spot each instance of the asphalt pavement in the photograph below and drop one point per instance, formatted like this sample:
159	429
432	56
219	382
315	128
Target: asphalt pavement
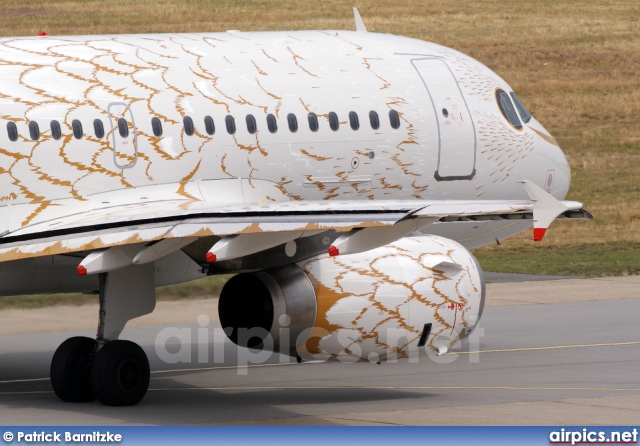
546	352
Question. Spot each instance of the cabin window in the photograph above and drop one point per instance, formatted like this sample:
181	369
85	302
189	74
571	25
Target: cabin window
56	131
374	120
272	124
252	127
76	126
334	123
187	122
293	122
313	122
208	125
98	128
394	119
34	130
524	113
507	109
123	127
12	131
231	124
354	122
156	126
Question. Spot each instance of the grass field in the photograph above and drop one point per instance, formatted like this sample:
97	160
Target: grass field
200	289
575	64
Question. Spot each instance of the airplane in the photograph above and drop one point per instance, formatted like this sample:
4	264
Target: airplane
343	177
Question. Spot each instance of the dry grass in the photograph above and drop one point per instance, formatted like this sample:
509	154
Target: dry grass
575	63
204	288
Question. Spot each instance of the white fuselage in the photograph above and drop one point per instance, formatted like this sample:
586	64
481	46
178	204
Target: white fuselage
238	74
450	141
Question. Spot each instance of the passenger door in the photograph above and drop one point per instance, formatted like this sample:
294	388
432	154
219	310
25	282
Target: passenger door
457	135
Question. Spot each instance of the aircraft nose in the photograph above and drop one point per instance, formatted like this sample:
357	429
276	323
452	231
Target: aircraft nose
558	173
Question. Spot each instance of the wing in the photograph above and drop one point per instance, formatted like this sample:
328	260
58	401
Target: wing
145	232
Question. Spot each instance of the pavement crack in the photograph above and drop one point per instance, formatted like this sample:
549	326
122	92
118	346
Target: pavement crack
341	418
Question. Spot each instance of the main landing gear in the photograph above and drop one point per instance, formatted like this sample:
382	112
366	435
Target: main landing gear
115	372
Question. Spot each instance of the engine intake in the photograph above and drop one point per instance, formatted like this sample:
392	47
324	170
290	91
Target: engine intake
276	306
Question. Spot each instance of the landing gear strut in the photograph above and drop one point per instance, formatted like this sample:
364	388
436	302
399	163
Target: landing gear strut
115	372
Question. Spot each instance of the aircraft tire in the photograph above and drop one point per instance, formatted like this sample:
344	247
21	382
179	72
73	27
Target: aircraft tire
120	374
70	370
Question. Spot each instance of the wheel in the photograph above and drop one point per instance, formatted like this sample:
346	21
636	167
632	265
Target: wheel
71	370
120	374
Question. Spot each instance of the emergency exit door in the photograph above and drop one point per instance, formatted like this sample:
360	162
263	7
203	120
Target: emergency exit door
124	137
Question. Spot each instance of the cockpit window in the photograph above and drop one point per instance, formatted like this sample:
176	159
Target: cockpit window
524	113
507	109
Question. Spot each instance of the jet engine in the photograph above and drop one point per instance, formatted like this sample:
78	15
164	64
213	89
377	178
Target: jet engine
413	296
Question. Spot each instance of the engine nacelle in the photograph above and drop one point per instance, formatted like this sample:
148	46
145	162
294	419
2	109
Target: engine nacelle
411	296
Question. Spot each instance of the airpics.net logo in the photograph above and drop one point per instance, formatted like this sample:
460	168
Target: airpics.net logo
186	345
587	436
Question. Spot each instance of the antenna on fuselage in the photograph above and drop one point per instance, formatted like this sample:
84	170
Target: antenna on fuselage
359	23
